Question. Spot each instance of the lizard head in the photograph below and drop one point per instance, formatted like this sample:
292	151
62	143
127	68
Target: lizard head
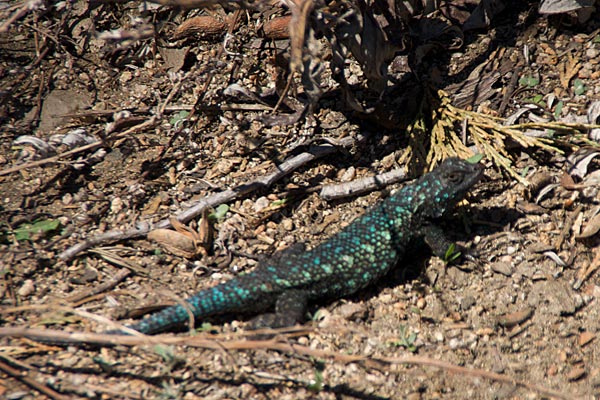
447	184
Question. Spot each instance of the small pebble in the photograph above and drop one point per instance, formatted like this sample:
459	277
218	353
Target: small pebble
348	175
592	53
116	205
125	76
260	204
455	343
353	311
27	288
576	373
287	224
67	199
503	268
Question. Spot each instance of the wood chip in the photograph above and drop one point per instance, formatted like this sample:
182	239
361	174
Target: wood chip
516	318
585	338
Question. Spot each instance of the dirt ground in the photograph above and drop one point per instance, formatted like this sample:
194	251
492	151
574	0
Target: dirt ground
102	133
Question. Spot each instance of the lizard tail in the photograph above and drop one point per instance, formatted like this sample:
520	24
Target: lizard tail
224	298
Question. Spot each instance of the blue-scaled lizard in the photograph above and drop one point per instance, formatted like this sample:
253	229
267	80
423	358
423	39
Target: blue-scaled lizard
354	258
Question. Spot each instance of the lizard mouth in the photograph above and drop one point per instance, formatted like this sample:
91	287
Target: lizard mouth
479	169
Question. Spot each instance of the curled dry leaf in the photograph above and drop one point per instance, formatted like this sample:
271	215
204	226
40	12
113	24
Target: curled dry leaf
184	241
563	6
580	160
592	227
277	28
42	147
593	116
174	242
205	235
202	25
568	183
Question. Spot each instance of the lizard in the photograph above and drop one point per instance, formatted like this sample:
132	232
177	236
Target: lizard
352	259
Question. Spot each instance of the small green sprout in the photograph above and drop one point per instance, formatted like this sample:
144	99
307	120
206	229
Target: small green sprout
280	202
27	231
316	384
578	87
451	254
529	81
219	213
406	339
558	109
179	118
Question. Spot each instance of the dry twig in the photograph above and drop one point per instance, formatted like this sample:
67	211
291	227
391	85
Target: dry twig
32	383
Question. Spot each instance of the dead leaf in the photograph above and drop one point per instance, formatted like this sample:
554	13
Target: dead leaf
205	234
580	160
153	205
184	241
568	70
203	25
482	16
563	6
277	28
592	227
174	242
567	182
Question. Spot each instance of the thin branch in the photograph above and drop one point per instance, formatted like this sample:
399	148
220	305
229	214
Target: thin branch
204	3
91	146
359	186
30	5
103	287
32	383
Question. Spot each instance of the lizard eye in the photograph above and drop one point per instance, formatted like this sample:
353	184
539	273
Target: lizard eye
454	177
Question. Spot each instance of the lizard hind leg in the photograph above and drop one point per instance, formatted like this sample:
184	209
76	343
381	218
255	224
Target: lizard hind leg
290	309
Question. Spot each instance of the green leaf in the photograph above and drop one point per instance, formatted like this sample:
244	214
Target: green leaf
317	383
558	109
529	81
25	231
219	213
207	327
578	87
476	158
167	353
406	339
178	118
278	202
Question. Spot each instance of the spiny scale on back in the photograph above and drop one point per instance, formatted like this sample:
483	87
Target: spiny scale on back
355	257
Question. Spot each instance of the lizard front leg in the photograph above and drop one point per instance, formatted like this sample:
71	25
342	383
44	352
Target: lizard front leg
437	241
